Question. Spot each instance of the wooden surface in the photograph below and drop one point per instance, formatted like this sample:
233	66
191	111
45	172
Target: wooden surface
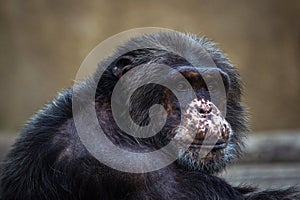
270	161
275	146
264	175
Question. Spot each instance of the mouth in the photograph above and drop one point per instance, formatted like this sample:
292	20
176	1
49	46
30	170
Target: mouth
220	144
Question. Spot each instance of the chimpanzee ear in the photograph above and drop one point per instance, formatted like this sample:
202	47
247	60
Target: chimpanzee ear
122	65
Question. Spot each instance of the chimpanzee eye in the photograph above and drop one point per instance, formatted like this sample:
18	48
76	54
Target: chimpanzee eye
181	86
212	87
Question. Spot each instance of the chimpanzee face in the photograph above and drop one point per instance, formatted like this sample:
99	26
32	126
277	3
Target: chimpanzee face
200	130
192	105
203	134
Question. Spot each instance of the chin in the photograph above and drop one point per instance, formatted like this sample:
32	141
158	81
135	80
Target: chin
210	160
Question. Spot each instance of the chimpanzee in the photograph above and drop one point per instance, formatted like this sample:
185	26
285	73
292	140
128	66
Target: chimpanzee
198	95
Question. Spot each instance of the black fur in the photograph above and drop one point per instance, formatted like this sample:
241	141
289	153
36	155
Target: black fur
48	160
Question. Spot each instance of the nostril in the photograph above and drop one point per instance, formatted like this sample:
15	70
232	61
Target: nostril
204	110
210	109
201	111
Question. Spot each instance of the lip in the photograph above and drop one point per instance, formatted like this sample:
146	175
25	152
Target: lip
220	144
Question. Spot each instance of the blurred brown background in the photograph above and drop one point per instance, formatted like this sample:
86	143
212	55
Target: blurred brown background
43	43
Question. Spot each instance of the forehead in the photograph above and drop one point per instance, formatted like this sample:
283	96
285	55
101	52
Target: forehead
176	63
191	72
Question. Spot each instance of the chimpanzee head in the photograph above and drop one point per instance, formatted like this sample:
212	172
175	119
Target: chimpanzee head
200	105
